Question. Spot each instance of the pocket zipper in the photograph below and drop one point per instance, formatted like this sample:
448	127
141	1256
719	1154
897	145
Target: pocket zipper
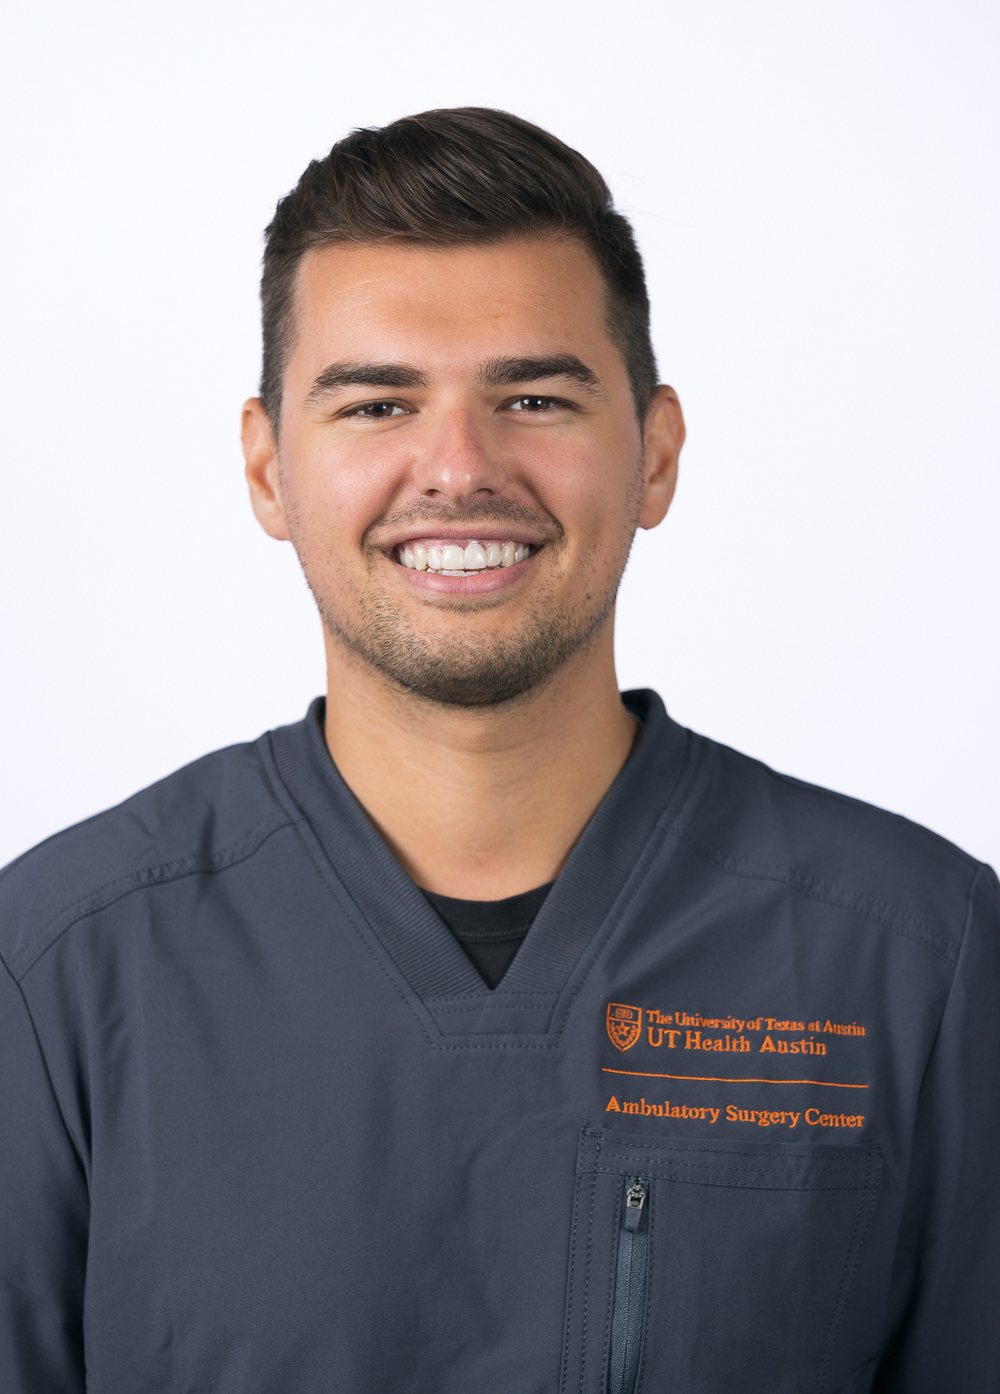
629	1304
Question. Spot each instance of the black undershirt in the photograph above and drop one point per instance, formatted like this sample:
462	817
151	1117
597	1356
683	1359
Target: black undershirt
490	931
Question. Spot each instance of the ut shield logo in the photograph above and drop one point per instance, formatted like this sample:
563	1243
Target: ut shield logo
624	1024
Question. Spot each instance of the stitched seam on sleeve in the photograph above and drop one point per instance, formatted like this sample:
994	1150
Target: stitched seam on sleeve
824	892
112	891
78	1149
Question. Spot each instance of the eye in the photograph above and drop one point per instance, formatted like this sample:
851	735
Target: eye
533	404
376	411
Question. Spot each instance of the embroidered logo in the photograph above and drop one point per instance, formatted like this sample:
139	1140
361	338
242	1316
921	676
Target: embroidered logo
624	1025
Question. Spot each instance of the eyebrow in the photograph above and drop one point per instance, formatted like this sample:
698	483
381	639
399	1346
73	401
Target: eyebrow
508	372
336	375
497	372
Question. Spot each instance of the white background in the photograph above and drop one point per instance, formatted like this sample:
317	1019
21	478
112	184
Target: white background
814	187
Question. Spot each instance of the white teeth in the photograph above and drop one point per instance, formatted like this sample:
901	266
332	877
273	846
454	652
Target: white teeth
452	560
475	557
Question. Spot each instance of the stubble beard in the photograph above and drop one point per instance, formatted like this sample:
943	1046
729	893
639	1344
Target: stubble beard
468	669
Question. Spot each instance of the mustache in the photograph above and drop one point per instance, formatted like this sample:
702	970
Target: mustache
423	514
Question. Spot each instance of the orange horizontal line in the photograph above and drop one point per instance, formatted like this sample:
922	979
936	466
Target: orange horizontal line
717	1079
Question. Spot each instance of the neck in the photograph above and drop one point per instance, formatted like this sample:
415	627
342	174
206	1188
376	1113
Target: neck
482	802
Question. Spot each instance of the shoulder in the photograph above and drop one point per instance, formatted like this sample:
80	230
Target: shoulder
201	818
753	822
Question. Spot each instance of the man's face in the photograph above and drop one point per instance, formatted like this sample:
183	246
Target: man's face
460	465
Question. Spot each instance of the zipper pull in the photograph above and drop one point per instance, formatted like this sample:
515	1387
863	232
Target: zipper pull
635	1199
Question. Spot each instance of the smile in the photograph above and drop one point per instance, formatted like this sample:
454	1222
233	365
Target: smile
450	559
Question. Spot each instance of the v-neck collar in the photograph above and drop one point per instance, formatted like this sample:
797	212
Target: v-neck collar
423	949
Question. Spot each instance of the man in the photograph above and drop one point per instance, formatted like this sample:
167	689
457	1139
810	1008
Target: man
486	1031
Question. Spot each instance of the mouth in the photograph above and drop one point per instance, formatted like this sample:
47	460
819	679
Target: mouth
461	558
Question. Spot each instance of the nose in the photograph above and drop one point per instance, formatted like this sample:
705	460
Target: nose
456	464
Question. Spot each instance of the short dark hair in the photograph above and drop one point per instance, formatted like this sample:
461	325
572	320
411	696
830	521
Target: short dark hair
450	178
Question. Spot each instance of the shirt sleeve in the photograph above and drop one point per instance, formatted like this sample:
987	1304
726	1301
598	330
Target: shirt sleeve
43	1218
943	1328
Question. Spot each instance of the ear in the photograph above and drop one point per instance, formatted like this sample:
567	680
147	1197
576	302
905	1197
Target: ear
261	455
663	436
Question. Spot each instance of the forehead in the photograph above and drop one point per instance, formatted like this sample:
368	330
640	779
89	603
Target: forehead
449	305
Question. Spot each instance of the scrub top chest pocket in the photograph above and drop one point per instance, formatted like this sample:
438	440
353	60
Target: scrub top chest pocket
714	1268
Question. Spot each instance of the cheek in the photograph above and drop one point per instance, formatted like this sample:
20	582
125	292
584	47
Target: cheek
588	492
338	496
